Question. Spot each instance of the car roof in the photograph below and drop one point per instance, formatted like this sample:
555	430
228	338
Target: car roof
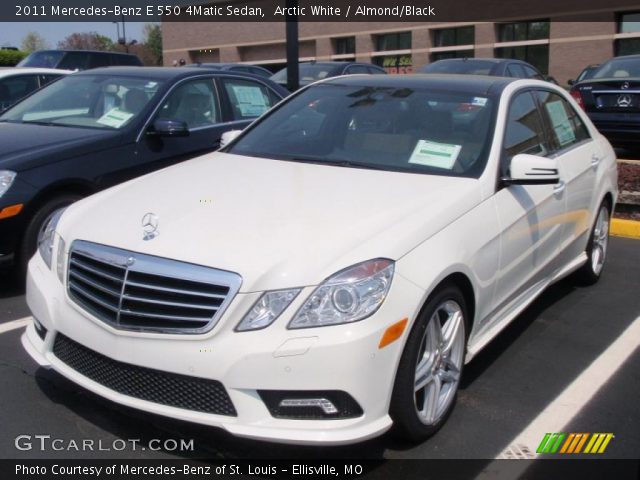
473	84
83	51
482	59
8	71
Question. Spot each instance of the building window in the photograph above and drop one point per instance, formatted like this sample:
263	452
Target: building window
393	41
628	23
449	37
344	46
451	54
523	31
536	54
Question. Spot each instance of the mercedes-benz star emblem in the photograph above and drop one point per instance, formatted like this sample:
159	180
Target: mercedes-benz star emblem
150	226
624	100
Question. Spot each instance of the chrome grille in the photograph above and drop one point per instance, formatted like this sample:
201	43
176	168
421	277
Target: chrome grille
133	291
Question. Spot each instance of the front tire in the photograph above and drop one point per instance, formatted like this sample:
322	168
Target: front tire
36	225
430	367
597	247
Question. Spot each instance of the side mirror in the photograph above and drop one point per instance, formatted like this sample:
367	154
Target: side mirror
169	128
532	170
228	137
571	81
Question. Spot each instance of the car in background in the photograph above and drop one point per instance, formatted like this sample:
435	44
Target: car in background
16	82
495	67
78	59
236	67
310	72
586	73
357	251
97	128
611	98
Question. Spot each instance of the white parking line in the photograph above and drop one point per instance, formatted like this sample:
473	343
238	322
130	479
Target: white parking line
14	324
568	404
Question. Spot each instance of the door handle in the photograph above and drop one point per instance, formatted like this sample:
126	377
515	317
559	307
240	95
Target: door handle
559	187
595	160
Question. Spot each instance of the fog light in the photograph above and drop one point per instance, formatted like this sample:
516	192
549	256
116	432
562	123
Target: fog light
323	403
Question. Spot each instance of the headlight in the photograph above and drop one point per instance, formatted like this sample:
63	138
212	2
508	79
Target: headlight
268	307
348	296
47	236
6	179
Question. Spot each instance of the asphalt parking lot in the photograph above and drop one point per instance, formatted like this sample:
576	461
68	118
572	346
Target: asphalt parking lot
569	363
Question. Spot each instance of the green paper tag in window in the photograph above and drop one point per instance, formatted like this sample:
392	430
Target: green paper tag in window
115	118
434	154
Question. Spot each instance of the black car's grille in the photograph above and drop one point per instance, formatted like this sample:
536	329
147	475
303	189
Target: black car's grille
132	291
180	391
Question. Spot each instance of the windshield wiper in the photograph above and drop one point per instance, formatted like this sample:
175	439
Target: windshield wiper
39	122
337	163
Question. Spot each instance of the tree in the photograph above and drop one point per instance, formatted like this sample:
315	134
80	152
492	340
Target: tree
87	41
33	41
153	41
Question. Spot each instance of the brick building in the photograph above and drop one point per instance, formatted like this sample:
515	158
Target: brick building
552	41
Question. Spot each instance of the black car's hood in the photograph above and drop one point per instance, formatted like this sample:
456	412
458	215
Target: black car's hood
25	146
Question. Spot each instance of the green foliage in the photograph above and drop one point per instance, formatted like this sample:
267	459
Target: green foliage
153	41
87	41
33	41
8	58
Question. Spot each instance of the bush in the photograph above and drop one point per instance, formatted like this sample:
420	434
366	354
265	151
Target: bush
9	58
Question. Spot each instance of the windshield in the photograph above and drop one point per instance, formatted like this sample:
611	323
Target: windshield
619	68
93	101
385	128
309	73
44	59
468	67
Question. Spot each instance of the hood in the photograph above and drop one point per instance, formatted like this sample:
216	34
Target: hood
26	146
278	224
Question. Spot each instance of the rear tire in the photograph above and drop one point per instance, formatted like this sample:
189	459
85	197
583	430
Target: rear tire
430	367
597	247
37	223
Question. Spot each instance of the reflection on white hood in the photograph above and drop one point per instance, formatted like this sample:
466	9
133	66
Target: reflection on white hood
278	224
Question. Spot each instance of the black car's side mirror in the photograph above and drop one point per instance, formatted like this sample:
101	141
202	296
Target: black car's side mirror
169	128
571	81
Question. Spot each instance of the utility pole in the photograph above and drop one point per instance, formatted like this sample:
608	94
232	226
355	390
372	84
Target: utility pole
293	46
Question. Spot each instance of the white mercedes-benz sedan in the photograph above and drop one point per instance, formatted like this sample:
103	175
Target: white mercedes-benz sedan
329	272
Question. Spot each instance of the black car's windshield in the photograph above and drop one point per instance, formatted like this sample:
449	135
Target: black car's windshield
619	68
396	129
309	73
466	67
43	58
93	101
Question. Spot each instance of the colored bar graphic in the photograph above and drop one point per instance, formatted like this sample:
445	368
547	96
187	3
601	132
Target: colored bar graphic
573	443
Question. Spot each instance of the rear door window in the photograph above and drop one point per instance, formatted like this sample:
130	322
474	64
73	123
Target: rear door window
75	61
565	126
248	99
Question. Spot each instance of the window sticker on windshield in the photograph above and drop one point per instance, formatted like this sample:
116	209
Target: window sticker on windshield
434	154
251	101
114	118
479	101
561	123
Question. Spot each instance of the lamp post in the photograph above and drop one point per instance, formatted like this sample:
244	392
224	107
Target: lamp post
117	31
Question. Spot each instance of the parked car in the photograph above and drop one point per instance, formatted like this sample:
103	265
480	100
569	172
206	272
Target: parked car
586	73
236	67
93	129
78	59
356	246
498	67
310	72
611	98
16	83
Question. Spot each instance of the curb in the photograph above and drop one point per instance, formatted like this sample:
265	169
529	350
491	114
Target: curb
625	228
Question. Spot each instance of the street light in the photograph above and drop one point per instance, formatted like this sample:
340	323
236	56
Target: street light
117	31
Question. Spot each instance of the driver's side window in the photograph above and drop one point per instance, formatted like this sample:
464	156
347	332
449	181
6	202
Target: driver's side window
194	103
524	130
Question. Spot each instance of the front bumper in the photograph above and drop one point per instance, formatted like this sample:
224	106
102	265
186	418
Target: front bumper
342	358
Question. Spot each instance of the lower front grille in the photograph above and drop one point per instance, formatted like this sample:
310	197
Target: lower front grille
174	390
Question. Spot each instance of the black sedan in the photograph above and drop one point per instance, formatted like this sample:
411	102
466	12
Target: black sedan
495	67
310	72
611	98
97	128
